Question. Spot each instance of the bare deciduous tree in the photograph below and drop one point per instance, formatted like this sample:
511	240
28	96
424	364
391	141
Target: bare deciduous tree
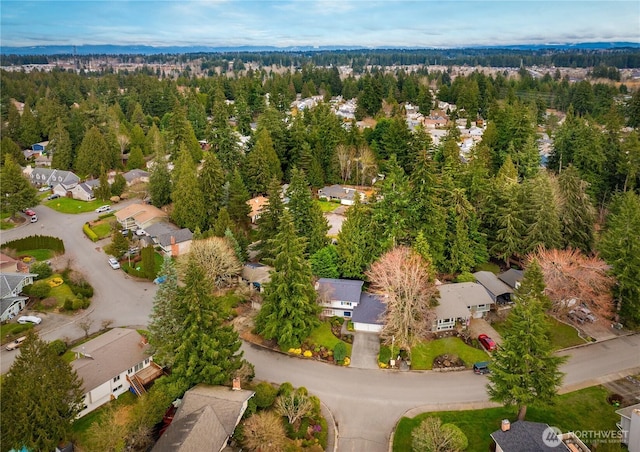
403	277
85	325
571	275
433	436
367	164
264	432
217	258
345	156
294	405
123	142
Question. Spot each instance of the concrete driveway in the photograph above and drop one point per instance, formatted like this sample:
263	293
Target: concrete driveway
365	349
481	326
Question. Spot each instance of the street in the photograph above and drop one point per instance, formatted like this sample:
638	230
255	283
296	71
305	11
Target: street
366	403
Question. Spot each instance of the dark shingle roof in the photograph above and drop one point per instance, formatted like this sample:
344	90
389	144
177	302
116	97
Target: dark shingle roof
340	289
160	228
524	436
180	236
510	277
490	281
369	310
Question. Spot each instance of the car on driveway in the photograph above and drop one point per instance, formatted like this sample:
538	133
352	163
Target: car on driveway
53	196
488	343
140	232
114	263
34	218
29	212
45	188
15	344
29	319
102	209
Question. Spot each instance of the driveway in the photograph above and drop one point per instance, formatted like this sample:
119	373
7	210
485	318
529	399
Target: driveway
481	326
365	349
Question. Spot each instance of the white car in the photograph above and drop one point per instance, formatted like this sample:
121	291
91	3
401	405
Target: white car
114	263
140	232
45	188
30	319
103	209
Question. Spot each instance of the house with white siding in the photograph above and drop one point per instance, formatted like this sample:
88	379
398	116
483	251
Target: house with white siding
11	285
458	303
338	297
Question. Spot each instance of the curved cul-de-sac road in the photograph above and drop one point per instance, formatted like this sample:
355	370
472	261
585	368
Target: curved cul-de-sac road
366	404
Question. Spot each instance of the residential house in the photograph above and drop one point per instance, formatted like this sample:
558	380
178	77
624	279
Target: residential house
112	364
83	192
174	243
8	264
460	302
498	291
511	278
338	296
629	426
525	436
139	216
11	285
346	195
368	314
53	177
205	419
257	205
43	160
255	275
40	147
136	175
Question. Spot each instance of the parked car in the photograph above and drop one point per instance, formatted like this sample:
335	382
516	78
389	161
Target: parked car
34	218
30	319
160	279
481	368
53	196
15	344
45	188
488	343
29	212
140	232
581	315
102	209
114	263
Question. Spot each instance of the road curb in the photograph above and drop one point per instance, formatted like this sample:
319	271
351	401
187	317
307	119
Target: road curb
586	344
334	426
599	381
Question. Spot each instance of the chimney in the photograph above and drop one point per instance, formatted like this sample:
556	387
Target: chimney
506	425
236	384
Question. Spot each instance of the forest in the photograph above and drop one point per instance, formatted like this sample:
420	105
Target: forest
497	204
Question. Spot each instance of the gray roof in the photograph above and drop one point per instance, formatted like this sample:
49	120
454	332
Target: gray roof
92	183
182	235
6	303
109	355
370	309
85	187
457	299
338	191
626	412
340	289
205	419
135	174
491	282
160	228
524	436
510	277
254	272
10	281
47	176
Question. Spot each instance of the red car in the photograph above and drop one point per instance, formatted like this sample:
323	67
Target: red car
29	212
488	343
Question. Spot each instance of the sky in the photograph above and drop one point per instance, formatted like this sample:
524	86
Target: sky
390	23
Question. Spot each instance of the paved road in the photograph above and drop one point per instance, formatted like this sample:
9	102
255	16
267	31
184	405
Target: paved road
366	403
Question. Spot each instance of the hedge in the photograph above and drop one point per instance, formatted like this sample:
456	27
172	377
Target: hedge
36	242
89	233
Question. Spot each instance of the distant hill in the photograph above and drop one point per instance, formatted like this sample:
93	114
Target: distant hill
151	50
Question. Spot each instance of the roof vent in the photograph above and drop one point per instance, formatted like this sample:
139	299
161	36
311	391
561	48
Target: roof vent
506	425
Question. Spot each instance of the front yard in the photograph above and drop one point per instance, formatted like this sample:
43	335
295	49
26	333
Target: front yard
423	355
562	335
11	331
68	205
328	206
586	409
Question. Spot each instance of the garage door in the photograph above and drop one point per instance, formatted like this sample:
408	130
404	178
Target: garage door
367	327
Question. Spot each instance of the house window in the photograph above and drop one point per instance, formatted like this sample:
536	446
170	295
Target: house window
138	366
345	303
347	313
117	388
130	370
116	378
146	361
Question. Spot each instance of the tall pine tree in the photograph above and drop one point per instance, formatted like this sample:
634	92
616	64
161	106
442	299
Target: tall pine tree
269	222
188	202
165	324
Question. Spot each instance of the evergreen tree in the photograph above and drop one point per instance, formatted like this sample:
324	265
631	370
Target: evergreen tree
16	192
209	350
181	135
541	215
9	147
119	185
620	248
307	215
60	147
41	399
269	222
222	223
262	164
103	190
577	214
29	128
237	206
188	202
357	245
93	154
524	369
211	179
289	311
160	181
138	139
136	160
148	262
324	262
165	324
392	211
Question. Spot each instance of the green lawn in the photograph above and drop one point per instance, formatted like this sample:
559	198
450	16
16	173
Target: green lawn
323	337
61	292
422	355
586	409
103	228
68	205
562	335
4	223
488	267
11	331
229	301
39	255
327	206
81	426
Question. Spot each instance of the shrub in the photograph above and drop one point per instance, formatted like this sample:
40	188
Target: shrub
42	269
285	388
68	304
58	346
265	395
340	351
89	233
431	434
78	303
40	289
465	277
36	242
385	354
